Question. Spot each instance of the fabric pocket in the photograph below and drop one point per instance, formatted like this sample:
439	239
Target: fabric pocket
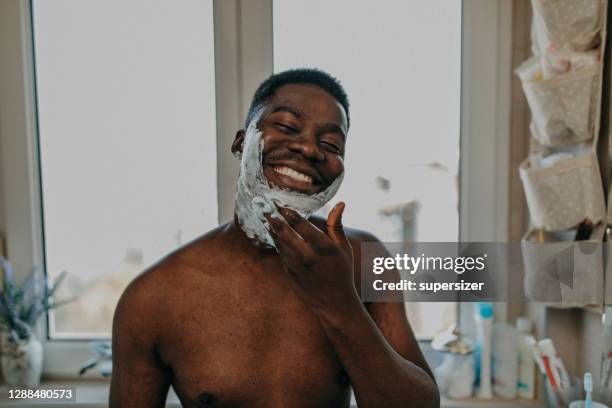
563	274
561	196
569	24
562	108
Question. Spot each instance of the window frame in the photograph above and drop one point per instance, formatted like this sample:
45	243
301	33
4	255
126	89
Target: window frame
243	32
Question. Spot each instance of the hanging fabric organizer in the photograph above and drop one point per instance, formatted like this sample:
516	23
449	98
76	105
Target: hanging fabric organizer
561	107
561	177
570	24
563	195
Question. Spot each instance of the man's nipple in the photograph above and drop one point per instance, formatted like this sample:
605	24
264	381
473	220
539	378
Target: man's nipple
206	399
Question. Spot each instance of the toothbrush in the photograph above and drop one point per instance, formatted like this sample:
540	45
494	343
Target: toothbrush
588	389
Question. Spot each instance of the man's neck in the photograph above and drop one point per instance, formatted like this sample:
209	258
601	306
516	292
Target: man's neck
234	228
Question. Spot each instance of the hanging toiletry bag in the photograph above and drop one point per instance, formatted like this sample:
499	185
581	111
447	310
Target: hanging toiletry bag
561	107
563	274
562	195
569	24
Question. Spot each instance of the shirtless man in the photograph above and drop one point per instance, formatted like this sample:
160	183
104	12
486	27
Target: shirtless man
229	322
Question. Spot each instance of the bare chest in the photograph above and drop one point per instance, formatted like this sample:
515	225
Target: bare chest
251	342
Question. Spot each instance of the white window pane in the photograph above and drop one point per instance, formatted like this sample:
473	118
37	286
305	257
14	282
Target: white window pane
400	64
127	140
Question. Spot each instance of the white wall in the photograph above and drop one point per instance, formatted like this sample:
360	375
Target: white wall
17	131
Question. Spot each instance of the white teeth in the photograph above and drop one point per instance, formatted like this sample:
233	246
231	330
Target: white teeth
286	171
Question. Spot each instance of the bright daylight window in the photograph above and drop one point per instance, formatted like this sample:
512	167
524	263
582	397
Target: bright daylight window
125	94
400	64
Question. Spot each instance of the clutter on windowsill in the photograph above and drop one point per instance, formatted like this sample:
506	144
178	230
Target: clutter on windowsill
20	308
103	357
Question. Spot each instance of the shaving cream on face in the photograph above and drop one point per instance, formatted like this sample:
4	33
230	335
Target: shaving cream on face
256	197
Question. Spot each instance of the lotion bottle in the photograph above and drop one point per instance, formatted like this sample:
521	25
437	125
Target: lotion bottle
505	361
527	365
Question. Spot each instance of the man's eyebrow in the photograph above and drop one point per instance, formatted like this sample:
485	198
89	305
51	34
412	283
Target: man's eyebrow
333	128
290	109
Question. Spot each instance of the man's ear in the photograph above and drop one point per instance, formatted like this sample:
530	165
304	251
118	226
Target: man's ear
238	142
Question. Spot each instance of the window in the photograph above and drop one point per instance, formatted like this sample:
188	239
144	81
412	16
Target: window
65	38
127	136
401	66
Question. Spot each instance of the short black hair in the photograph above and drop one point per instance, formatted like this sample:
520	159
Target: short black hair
312	76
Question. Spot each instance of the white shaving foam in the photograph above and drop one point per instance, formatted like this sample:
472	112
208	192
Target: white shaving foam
256	197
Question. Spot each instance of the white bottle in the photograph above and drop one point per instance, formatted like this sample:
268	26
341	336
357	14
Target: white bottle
526	364
505	361
606	377
483	316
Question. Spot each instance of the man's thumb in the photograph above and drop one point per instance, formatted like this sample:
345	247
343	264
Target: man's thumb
335	230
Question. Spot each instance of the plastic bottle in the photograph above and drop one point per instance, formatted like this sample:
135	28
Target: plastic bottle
606	377
526	364
505	361
483	316
455	376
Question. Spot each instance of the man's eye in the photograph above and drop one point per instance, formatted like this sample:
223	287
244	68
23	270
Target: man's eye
331	146
286	128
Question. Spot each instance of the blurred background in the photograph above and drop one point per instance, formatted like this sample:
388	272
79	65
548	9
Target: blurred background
116	120
133	109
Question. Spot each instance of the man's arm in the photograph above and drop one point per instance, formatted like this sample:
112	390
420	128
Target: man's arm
391	321
381	356
139	377
377	349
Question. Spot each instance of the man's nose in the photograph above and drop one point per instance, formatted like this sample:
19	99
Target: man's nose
307	147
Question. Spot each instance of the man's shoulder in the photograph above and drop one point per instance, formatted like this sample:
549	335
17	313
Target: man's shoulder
359	235
354	235
198	256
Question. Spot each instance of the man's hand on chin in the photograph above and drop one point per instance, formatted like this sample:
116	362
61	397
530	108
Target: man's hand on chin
319	263
375	340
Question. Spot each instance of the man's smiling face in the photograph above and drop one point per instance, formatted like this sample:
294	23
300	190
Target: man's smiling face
304	132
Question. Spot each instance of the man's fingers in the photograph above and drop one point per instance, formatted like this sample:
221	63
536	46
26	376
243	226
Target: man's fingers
282	231
287	254
308	231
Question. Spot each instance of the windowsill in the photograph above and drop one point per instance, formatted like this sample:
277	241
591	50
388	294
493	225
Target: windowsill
89	394
94	394
492	403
